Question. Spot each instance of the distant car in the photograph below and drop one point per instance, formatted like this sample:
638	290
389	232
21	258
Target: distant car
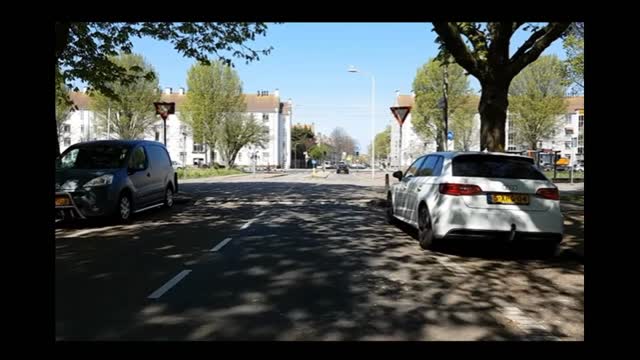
357	166
578	168
448	195
342	168
113	178
177	165
328	165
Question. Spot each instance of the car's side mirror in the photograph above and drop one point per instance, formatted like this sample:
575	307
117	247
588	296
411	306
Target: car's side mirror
398	175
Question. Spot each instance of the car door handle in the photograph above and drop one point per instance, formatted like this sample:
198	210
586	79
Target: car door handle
418	189
148	174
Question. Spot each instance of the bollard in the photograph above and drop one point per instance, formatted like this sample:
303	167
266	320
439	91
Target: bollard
386	183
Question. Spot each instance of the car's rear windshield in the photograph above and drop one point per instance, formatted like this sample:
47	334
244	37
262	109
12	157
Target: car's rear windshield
491	166
93	157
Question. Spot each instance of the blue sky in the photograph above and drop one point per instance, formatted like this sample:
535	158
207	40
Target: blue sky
309	64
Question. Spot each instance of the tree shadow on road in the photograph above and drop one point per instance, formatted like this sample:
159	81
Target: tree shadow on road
302	271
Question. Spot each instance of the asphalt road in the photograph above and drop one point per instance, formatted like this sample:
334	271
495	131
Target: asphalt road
265	257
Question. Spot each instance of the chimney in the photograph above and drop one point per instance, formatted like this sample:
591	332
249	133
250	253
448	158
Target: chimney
181	91
276	93
397	93
167	90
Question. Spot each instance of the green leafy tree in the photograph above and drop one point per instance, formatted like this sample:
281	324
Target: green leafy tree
427	116
214	92
131	113
574	64
302	140
320	152
383	143
484	53
463	124
537	99
236	131
83	49
64	105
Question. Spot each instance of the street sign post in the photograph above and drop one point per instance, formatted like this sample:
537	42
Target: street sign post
164	109
400	113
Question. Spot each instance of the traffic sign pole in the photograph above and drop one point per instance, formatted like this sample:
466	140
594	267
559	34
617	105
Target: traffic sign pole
400	113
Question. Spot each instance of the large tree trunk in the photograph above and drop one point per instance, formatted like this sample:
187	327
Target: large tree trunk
493	115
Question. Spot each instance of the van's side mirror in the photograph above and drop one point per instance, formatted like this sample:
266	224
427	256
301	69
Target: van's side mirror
398	175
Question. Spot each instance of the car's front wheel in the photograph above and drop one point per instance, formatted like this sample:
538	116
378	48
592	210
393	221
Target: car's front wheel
425	229
168	197
124	211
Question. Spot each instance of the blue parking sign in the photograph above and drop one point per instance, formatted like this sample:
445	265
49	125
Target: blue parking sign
450	135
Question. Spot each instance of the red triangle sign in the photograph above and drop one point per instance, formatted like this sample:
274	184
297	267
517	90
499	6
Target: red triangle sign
400	113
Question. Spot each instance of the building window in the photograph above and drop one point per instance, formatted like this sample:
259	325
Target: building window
239	156
265	117
511	148
67	141
581	140
568	131
567	145
567	118
581	121
157	135
66	128
580	151
198	148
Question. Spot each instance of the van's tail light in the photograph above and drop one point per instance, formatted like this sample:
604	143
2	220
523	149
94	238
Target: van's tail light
459	189
549	193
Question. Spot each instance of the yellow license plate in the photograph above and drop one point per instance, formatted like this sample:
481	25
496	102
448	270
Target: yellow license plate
516	199
62	201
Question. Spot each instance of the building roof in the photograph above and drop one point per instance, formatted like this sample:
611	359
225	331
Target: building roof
406	100
573	102
80	100
255	103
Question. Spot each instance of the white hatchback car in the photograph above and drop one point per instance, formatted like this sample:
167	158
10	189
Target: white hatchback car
477	195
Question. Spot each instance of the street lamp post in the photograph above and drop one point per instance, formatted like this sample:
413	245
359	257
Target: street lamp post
353	69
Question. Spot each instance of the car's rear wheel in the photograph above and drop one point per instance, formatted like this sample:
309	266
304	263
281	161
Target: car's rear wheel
425	230
168	197
124	211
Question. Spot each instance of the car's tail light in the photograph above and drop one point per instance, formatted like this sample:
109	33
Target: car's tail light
460	189
549	193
